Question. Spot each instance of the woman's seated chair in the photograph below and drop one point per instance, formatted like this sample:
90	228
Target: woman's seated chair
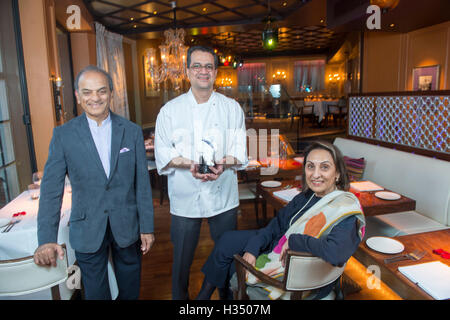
303	273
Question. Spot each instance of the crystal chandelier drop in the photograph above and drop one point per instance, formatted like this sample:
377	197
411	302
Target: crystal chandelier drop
173	57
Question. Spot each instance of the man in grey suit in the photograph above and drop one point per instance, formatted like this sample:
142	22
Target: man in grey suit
104	156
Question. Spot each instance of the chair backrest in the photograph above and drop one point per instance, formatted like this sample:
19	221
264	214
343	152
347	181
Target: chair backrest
23	276
307	273
308	109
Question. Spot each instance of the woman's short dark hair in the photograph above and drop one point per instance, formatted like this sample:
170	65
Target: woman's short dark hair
93	69
343	182
204	49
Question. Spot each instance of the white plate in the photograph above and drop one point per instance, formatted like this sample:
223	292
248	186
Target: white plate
271	184
387	195
299	159
4	222
385	245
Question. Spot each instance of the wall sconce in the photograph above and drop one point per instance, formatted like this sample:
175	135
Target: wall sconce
279	75
57	85
224	82
333	78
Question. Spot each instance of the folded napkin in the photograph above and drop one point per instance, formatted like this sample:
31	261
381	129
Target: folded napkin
253	163
430	277
365	186
287	195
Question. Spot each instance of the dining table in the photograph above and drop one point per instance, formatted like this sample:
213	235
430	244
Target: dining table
21	240
371	204
275	168
321	106
426	242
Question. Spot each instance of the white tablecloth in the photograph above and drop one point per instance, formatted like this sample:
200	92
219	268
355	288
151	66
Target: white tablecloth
320	107
21	241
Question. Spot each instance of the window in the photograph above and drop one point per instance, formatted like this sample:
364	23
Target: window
15	161
309	75
9	186
252	77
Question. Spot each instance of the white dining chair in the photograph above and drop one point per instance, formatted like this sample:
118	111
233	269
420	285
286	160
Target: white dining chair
247	193
23	276
303	272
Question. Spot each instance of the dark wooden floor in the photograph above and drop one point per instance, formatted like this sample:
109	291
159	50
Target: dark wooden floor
157	264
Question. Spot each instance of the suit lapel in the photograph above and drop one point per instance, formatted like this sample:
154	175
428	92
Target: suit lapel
87	140
116	141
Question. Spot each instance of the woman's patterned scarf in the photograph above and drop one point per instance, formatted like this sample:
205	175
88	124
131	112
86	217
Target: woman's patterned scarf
317	222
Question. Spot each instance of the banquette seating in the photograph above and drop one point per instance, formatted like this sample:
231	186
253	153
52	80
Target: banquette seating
424	179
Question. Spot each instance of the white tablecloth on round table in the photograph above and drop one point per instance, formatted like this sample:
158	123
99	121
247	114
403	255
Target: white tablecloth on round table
21	241
320	107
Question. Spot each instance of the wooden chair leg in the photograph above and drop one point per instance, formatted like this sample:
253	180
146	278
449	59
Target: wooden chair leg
297	295
241	293
256	202
264	210
56	295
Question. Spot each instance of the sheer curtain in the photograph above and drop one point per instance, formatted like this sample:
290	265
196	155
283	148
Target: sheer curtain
309	75
252	77
110	58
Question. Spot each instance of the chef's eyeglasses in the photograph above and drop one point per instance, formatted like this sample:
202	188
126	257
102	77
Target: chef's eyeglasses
197	67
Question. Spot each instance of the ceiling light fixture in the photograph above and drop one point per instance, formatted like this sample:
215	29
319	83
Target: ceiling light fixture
270	34
173	54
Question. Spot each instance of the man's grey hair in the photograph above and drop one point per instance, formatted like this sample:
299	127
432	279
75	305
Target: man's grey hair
92	68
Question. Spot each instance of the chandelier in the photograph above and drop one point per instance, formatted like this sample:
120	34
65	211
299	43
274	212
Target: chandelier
172	55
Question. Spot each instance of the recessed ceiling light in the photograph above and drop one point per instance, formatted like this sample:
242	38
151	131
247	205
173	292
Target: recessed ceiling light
131	19
155	12
135	26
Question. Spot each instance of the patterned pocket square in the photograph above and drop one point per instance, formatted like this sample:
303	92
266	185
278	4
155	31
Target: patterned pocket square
124	150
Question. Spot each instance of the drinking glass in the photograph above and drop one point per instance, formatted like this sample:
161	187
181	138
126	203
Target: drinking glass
37	177
34	191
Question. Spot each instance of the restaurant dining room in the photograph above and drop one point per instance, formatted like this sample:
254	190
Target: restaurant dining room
142	140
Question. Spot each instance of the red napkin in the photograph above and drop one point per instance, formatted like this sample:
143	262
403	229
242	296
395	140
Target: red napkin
444	254
22	213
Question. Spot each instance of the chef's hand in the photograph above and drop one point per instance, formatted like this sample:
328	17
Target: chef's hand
196	174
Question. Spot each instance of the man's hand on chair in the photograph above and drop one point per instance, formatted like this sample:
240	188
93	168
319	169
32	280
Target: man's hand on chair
46	254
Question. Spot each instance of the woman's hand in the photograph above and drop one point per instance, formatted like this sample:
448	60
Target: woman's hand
251	259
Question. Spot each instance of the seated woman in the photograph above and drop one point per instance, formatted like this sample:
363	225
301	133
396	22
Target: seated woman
324	220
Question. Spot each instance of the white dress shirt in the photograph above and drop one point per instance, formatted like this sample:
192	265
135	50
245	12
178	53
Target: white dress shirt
181	126
102	139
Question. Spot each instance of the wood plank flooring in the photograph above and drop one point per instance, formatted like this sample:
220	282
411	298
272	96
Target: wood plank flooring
156	278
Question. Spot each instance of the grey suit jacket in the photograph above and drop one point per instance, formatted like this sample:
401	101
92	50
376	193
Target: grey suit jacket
124	199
